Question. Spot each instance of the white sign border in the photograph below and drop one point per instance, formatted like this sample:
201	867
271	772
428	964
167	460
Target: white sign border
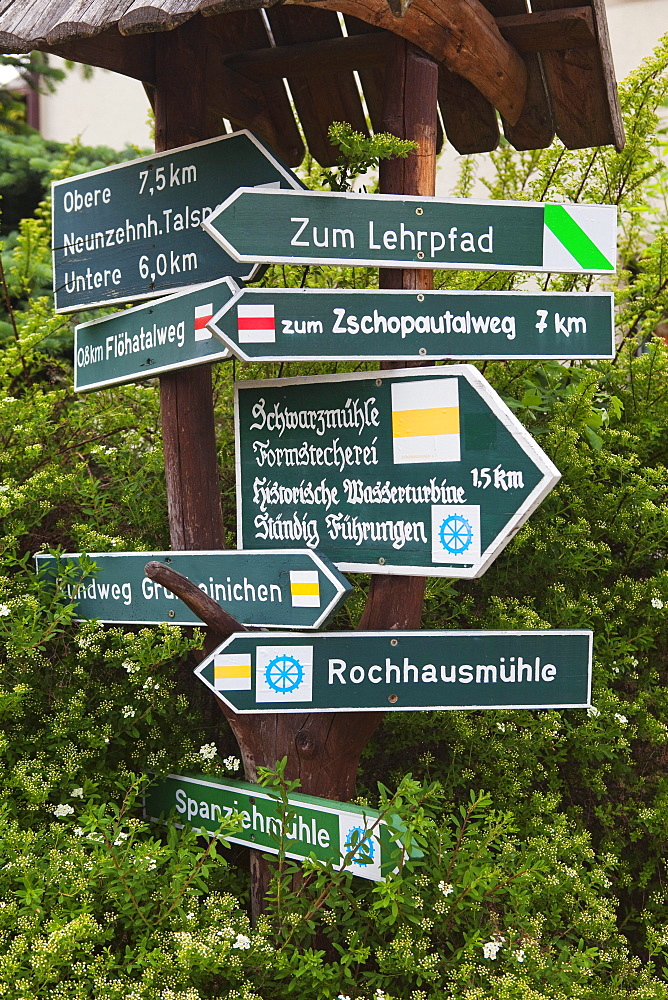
550	473
242	293
319	558
308	709
287	174
225	355
412	262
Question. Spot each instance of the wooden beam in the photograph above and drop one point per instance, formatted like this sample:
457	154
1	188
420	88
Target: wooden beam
328	55
324	97
550	30
461	33
582	87
468	118
132	57
260	105
534	129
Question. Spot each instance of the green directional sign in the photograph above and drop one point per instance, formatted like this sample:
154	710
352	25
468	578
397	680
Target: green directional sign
400	671
133	231
160	336
349	836
400	231
423	469
305	324
283	589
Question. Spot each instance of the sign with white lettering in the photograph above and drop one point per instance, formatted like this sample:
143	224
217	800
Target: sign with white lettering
133	231
421	469
285	589
400	671
349	836
160	336
400	231
313	324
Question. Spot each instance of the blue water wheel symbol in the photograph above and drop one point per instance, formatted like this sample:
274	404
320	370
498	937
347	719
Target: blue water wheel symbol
284	673
455	534
364	848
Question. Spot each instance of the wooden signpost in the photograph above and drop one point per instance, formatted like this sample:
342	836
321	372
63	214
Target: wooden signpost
313	324
133	231
400	671
139	240
284	227
423	470
295	588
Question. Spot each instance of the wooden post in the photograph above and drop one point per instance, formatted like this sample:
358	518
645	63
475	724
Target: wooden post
188	430
410	113
322	750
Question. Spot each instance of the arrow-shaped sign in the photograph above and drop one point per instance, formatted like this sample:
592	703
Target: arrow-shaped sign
423	469
400	231
160	336
400	671
290	588
313	324
347	835
133	231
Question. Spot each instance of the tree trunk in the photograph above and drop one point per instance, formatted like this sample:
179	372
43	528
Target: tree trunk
186	399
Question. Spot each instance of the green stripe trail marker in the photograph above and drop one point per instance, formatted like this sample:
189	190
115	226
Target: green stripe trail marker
133	231
305	324
399	231
295	588
160	336
400	671
321	828
423	470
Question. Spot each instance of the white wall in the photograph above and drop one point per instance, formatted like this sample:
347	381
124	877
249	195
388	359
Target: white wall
106	110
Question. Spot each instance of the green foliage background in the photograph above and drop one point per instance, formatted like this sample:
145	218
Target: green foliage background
552	884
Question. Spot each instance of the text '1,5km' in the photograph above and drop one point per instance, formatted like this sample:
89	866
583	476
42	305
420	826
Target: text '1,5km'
399	231
375	671
383	471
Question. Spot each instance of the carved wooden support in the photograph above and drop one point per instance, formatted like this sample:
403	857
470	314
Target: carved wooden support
461	33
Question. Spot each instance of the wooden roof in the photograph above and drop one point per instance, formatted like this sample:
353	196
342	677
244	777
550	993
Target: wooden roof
546	72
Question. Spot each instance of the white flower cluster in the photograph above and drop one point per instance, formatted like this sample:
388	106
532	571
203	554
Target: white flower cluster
242	942
621	719
130	666
492	948
128	712
4	611
231	763
445	888
208	751
63	810
657	603
77	793
593	712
